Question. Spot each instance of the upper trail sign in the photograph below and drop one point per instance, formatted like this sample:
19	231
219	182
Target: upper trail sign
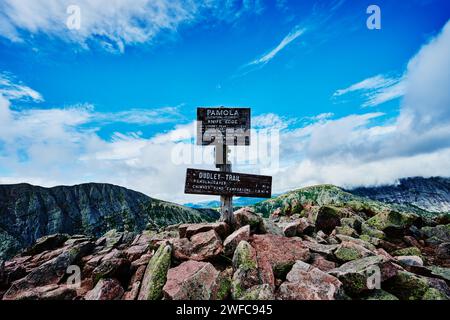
223	127
227	126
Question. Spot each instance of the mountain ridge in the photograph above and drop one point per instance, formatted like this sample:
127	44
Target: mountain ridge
28	212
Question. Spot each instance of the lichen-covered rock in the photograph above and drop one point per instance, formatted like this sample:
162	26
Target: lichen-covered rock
328	218
280	252
106	289
45	243
364	274
326	249
437	234
156	274
348	251
366	229
192	280
269	226
434	294
346	231
258	292
408	286
305	282
247	216
392	220
441	272
380	295
246	273
232	241
411	251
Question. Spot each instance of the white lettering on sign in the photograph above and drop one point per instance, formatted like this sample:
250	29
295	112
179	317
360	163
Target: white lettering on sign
222	112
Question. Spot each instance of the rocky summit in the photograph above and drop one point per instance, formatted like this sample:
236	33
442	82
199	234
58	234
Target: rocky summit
344	251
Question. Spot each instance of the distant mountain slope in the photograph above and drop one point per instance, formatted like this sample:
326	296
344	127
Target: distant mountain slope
430	194
29	212
292	201
422	196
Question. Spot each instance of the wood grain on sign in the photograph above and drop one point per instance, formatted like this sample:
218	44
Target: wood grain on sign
229	126
227	183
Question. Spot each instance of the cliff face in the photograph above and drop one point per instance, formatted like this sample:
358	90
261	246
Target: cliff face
29	212
430	194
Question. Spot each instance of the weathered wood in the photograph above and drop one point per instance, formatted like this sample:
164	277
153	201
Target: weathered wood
223	126
226	201
227	184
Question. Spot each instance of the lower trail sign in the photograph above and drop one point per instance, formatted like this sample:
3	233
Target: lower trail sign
227	183
223	127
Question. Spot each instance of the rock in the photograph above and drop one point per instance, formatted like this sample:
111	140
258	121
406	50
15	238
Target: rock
50	272
231	242
156	274
135	252
188	230
111	239
49	242
346	231
259	292
328	218
321	263
246	266
392	220
410	261
438	234
290	228
280	252
105	289
202	246
348	251
408	286
434	294
359	242
247	216
443	251
443	273
268	226
357	275
353	223
192	280
380	295
411	251
117	268
305	282
326	249
48	292
366	229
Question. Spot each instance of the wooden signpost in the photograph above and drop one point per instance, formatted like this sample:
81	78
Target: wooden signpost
224	127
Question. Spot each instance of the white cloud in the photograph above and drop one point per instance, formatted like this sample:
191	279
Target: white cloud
12	90
376	90
294	34
112	24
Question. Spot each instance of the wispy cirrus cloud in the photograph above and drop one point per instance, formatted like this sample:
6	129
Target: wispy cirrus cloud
113	25
14	90
375	90
291	36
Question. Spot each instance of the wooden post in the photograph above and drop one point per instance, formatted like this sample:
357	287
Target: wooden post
226	202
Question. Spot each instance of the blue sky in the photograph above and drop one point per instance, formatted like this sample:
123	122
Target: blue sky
103	103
